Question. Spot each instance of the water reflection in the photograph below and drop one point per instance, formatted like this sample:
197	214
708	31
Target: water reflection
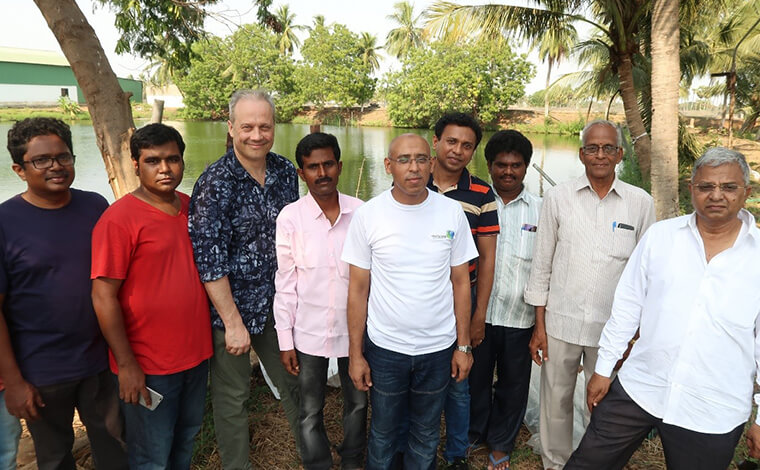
363	150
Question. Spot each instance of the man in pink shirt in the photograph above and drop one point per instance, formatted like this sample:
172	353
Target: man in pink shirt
310	302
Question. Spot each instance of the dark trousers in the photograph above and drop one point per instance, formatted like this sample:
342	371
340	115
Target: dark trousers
97	401
497	410
618	426
315	447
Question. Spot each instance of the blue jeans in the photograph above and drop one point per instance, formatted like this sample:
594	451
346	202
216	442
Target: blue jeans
10	432
407	393
315	447
163	438
457	412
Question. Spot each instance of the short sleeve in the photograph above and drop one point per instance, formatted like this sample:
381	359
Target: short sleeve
463	248
488	220
112	246
356	248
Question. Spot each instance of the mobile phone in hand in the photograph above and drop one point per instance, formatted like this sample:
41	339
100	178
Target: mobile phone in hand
155	399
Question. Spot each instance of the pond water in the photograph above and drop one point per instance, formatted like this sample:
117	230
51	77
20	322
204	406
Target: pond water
362	151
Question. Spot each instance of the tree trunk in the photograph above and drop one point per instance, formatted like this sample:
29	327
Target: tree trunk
546	90
107	103
642	144
158	111
666	76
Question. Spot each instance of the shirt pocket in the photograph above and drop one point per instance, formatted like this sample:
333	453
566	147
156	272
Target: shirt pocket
623	243
525	249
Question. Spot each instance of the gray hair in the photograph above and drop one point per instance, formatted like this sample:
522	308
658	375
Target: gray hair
247	94
604	122
717	156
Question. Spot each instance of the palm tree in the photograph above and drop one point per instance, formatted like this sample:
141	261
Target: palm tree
369	48
287	39
619	22
554	45
666	76
407	35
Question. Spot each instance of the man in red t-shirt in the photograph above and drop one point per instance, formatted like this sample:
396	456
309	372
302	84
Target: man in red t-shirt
152	306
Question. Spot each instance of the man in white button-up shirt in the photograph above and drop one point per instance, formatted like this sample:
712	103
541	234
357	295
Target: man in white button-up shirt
587	230
690	286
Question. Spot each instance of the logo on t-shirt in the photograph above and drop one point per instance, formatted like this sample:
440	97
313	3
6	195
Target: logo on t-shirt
449	235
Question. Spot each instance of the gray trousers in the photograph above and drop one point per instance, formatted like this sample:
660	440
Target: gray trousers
231	388
558	376
618	426
315	447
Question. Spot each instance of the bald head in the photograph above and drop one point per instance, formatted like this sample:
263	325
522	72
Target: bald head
403	140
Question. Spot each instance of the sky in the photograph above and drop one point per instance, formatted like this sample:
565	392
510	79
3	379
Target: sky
23	26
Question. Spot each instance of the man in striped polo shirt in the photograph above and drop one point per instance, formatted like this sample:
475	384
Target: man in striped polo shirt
457	135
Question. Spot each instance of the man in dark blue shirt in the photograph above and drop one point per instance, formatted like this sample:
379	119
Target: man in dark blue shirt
52	355
232	217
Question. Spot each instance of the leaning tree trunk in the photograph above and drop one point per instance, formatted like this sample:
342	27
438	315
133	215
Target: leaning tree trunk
107	103
642	145
666	75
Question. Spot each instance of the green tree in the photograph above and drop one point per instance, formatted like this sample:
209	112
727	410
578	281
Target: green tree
369	48
288	40
480	77
152	29
408	34
332	70
223	65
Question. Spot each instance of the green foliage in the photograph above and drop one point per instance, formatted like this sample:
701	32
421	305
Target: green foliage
250	58
333	69
69	107
407	35
159	28
482	78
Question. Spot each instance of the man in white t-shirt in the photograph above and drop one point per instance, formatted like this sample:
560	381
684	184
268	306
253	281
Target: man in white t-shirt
411	246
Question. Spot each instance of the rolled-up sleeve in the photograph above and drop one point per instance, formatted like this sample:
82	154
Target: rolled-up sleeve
210	228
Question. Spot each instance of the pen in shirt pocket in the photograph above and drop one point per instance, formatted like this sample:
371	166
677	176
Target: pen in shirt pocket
621	226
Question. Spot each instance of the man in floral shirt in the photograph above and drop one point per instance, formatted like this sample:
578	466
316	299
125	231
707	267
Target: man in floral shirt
232	226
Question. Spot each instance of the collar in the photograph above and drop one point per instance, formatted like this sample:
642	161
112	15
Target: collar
748	224
583	182
463	184
523	196
314	211
237	170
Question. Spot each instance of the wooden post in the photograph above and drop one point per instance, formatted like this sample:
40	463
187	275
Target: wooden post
158	111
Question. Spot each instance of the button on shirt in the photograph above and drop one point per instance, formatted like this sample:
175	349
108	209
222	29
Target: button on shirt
232	227
694	364
311	280
518	221
582	245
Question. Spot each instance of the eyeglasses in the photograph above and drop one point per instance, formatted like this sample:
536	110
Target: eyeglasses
728	188
405	160
43	163
593	149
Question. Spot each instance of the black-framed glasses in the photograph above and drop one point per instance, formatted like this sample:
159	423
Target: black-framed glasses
43	163
406	160
593	149
728	188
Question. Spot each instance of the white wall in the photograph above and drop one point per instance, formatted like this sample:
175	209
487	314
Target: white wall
36	95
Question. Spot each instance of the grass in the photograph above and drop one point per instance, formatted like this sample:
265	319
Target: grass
273	447
70	114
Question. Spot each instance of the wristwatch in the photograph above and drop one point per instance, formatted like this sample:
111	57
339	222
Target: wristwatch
467	349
